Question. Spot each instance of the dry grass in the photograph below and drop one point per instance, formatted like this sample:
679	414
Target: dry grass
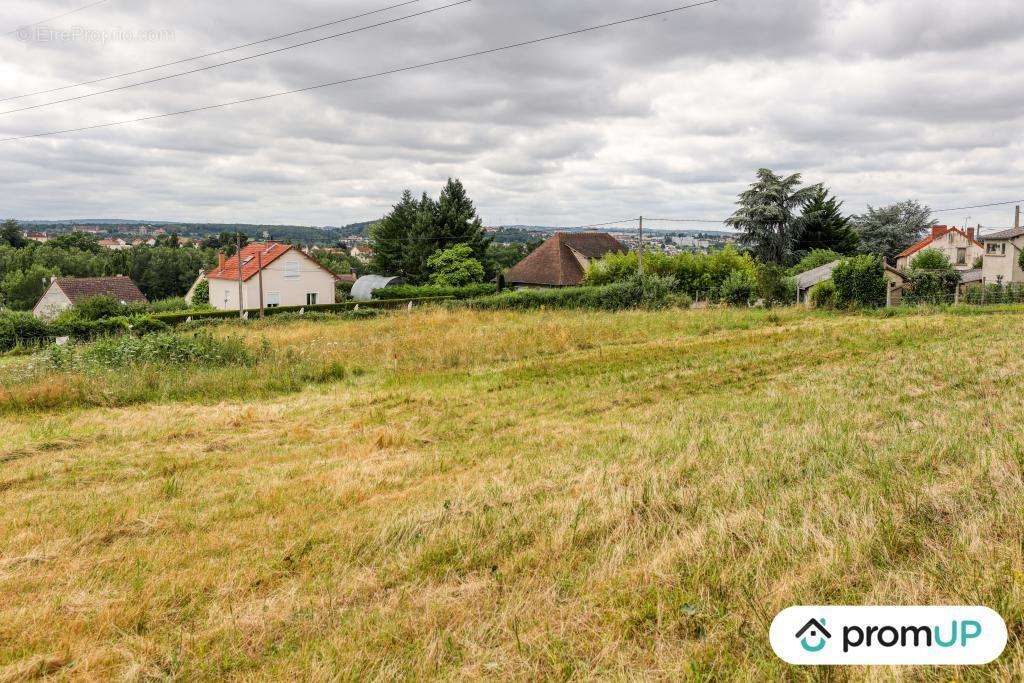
522	496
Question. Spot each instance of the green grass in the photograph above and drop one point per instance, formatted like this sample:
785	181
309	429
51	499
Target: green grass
550	495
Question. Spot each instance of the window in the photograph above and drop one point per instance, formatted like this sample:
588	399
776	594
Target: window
273	299
961	256
291	269
227	298
951	238
311	299
997	248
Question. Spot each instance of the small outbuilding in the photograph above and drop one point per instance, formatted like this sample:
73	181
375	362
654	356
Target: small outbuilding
895	280
365	286
65	292
562	261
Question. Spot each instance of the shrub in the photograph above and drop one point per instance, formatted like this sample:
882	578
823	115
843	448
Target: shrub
97	308
931	259
431	291
933	279
177	303
823	295
146	324
739	288
651	291
455	267
698	275
164	349
774	287
201	294
860	281
814	259
17	328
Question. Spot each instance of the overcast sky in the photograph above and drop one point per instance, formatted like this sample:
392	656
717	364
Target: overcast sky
882	100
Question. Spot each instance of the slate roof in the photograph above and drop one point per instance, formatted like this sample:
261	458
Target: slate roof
250	264
120	288
1005	234
815	275
554	264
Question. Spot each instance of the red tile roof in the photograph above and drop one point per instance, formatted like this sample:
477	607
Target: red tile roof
271	251
937	232
120	288
554	264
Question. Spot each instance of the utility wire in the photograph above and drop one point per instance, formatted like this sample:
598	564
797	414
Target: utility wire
59	16
366	77
684	220
240	59
979	206
212	54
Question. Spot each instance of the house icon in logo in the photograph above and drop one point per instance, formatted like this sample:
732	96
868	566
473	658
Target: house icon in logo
815	632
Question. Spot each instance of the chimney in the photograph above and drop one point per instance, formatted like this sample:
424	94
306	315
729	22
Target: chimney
220	258
1016	221
938	231
970	233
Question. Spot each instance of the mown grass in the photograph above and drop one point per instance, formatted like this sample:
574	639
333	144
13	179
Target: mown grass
519	496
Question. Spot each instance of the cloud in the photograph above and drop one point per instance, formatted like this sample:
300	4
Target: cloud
881	99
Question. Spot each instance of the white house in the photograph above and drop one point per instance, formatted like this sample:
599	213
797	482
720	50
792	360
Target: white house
65	292
1002	257
289	278
960	247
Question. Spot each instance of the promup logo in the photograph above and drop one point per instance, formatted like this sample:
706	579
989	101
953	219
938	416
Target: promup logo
816	632
888	636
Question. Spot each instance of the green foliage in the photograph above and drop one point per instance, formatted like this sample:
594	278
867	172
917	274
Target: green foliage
405	239
81	241
739	288
175	303
931	259
1020	260
774	287
501	257
823	295
651	291
164	348
21	289
435	291
20	328
97	308
455	267
767	215
11	234
201	295
889	230
815	259
824	227
860	281
696	275
933	279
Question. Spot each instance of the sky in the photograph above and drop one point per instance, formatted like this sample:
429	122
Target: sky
880	100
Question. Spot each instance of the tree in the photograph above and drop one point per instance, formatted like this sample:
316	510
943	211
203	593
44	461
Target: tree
412	232
11	235
889	230
767	215
823	226
455	267
22	288
933	278
76	240
860	281
815	259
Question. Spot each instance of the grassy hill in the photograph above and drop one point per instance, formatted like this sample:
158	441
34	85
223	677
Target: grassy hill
491	495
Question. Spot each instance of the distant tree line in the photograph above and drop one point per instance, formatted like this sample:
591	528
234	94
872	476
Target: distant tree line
162	271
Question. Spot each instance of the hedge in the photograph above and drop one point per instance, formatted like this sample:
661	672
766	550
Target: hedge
434	291
177	318
649	292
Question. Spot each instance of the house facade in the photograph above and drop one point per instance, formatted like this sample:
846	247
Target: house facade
1002	257
65	292
960	246
289	278
563	260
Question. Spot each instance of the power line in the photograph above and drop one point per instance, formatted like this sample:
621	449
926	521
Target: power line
236	61
684	220
979	206
366	77
212	54
59	16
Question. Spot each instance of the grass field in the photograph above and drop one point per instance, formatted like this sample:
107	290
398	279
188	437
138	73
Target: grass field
457	495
